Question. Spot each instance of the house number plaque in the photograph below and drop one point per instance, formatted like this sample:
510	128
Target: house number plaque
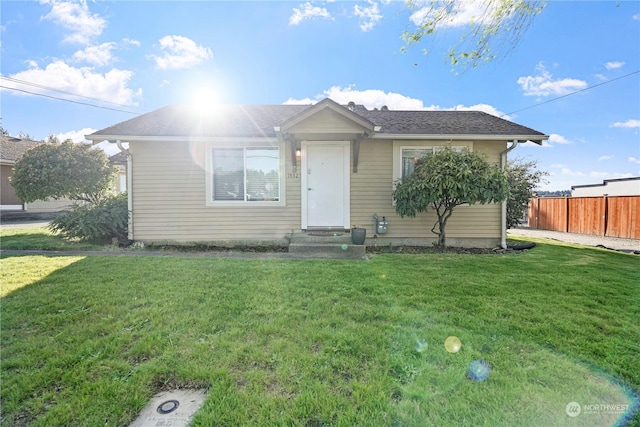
293	175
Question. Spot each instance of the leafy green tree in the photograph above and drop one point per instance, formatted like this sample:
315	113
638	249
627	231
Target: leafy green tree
524	178
65	170
448	179
494	28
4	132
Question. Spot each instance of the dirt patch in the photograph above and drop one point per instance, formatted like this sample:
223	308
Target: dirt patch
212	248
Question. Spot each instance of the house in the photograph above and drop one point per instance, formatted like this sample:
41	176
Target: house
11	150
609	187
119	160
256	173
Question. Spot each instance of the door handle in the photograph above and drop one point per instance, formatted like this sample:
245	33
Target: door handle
309	188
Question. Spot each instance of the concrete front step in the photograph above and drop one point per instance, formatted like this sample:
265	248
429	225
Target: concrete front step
329	250
321	237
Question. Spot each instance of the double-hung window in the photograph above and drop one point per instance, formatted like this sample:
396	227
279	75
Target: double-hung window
245	174
411	156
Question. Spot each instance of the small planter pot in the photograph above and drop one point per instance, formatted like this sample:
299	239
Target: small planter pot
358	236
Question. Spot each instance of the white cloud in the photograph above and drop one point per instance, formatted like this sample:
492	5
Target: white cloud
96	55
131	41
180	52
303	101
369	16
111	86
543	84
109	148
376	98
76	135
308	11
614	65
558	139
83	26
631	123
633	160
636	17
371	98
606	157
463	13
529	144
569	172
489	109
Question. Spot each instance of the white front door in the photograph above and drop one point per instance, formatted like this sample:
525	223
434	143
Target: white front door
325	184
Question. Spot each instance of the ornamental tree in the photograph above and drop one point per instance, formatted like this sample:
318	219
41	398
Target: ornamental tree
448	179
63	170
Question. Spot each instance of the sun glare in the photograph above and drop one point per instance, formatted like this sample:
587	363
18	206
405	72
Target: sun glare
204	98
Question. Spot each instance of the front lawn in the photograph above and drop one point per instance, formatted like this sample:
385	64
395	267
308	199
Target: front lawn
87	341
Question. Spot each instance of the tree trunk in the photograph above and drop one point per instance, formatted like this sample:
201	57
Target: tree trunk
443	216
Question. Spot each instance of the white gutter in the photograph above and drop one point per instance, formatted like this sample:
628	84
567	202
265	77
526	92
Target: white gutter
129	188
503	227
462	137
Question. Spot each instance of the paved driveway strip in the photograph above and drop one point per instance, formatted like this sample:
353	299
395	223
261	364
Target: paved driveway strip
615	243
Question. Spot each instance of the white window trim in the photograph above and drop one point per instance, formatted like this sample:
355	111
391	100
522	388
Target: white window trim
231	144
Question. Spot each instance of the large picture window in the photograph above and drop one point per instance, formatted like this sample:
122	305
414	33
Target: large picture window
247	174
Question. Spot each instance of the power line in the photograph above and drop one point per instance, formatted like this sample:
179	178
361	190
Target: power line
49	88
69	100
573	93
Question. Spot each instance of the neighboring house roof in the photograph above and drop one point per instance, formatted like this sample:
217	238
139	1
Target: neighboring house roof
260	121
119	158
12	149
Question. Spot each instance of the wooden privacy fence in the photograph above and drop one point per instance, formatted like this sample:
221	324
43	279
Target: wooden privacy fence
617	216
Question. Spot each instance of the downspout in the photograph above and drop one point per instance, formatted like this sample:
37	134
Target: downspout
129	188
503	164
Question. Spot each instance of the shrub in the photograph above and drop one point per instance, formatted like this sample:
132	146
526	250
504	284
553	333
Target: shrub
97	222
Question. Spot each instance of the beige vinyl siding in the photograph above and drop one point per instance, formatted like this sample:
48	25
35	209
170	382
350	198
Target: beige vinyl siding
326	122
169	200
372	187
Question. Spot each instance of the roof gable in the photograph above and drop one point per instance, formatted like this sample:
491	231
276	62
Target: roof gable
327	105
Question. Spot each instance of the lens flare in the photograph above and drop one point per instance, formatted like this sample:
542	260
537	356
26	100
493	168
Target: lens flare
452	344
479	370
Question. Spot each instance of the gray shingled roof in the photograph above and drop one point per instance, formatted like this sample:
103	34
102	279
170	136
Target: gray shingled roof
259	120
12	149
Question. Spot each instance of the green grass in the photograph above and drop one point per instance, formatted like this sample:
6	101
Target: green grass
88	340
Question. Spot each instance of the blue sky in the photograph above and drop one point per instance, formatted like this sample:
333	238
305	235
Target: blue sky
139	56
